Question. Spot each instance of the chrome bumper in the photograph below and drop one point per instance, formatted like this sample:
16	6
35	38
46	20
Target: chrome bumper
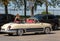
9	31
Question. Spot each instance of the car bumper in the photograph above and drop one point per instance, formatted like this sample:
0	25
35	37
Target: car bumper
9	31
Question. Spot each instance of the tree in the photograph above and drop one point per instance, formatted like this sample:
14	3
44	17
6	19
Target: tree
33	5
43	2
39	2
55	3
46	2
52	3
44	12
5	3
25	9
19	3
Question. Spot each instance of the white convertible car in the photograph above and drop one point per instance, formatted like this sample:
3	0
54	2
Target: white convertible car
20	29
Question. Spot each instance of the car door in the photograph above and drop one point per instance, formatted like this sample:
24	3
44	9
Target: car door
44	19
51	18
48	18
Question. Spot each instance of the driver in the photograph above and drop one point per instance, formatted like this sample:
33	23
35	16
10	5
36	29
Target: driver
17	18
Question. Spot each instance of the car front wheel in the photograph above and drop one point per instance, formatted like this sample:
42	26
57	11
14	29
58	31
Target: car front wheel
19	32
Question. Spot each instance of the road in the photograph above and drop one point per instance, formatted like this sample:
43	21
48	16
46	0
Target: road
54	36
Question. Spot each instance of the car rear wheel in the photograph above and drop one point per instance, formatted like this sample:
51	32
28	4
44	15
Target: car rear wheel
47	30
55	27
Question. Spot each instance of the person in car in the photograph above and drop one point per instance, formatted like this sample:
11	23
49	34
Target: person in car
17	18
30	21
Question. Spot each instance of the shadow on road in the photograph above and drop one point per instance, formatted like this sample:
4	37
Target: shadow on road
36	34
2	33
31	34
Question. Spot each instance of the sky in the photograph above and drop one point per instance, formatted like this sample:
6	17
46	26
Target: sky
55	11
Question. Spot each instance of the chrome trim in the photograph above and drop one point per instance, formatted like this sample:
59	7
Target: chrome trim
9	31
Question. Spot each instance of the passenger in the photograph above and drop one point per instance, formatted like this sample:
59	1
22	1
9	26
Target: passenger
30	21
17	19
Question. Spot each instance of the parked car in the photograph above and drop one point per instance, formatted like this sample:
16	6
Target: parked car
6	19
52	19
20	29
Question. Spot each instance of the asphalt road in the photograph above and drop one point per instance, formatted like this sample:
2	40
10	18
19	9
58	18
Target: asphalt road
54	36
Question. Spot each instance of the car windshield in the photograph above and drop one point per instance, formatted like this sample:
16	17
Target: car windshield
38	16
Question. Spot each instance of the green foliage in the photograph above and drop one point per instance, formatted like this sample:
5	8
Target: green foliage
44	12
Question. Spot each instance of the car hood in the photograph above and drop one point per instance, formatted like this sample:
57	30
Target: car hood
5	26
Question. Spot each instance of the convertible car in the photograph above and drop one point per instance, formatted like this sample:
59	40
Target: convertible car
20	29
